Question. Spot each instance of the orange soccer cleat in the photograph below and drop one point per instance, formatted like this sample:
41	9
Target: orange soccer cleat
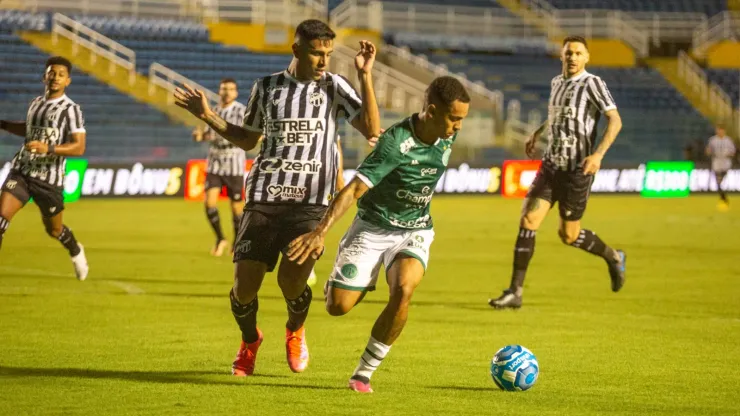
246	357
296	349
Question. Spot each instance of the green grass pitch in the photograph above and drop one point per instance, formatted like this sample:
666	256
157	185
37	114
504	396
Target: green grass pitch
150	331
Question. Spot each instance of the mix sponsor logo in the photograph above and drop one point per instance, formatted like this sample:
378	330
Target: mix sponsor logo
295	131
289	192
273	165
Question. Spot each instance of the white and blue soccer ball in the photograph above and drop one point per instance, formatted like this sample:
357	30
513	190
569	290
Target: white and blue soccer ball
514	368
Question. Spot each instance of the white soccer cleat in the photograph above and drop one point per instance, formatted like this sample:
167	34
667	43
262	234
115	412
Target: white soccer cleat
312	278
80	263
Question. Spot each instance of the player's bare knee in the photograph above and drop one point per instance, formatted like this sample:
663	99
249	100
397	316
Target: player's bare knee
402	294
52	231
335	308
568	236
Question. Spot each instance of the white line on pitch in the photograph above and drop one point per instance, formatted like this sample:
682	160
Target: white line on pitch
126	287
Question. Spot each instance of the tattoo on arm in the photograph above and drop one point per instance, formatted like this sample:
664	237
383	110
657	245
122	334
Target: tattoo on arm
533	205
216	122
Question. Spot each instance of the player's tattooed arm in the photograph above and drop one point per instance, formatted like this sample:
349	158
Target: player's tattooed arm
196	103
312	244
592	163
14	127
368	123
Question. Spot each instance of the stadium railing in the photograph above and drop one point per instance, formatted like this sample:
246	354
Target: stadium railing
394	89
174	9
97	44
668	26
289	12
723	26
160	75
711	93
495	97
255	11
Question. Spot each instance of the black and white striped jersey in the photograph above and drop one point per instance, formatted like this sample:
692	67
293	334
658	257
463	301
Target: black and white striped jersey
298	159
225	159
574	110
51	122
722	150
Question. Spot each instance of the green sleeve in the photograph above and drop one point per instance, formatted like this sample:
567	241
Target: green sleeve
381	161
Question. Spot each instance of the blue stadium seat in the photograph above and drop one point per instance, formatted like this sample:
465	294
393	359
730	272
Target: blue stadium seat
640	93
729	80
118	127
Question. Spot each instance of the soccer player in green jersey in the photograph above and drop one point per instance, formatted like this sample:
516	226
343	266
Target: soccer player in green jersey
393	228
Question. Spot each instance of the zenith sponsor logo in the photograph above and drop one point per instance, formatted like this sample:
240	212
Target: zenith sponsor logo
274	165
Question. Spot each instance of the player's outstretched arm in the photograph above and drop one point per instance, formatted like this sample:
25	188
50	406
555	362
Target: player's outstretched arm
75	147
368	123
196	103
14	127
312	244
592	163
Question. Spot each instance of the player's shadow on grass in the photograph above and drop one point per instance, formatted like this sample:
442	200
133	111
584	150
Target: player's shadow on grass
165	377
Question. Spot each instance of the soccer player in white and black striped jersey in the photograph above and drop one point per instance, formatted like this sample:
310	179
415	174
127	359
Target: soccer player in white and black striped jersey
577	100
721	149
53	130
225	166
292	179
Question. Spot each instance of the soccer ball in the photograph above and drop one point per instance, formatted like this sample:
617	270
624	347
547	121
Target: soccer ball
514	368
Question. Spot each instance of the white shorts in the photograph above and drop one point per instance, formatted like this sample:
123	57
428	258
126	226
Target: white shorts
365	247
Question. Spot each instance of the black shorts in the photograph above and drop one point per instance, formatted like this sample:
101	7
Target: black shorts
233	184
570	189
266	230
719	176
49	198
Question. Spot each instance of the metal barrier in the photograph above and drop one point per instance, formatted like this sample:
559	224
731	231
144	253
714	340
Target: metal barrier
288	12
718	100
174	9
160	75
496	97
96	43
723	26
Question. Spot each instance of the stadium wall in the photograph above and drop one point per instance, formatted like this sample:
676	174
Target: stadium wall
272	38
611	53
725	54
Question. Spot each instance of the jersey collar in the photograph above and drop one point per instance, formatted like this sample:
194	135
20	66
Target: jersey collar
577	77
55	100
292	78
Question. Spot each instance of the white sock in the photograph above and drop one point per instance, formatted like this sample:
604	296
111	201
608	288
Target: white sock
371	358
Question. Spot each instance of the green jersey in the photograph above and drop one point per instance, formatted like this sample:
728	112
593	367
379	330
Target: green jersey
402	173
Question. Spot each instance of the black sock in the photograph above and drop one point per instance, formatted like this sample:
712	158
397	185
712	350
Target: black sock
588	240
68	241
723	196
236	220
298	309
246	317
523	252
215	221
4	224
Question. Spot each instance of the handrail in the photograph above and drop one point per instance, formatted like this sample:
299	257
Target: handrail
98	44
722	26
160	75
718	100
496	97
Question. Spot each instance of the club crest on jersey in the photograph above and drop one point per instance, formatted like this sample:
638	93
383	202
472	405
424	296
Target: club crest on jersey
316	99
